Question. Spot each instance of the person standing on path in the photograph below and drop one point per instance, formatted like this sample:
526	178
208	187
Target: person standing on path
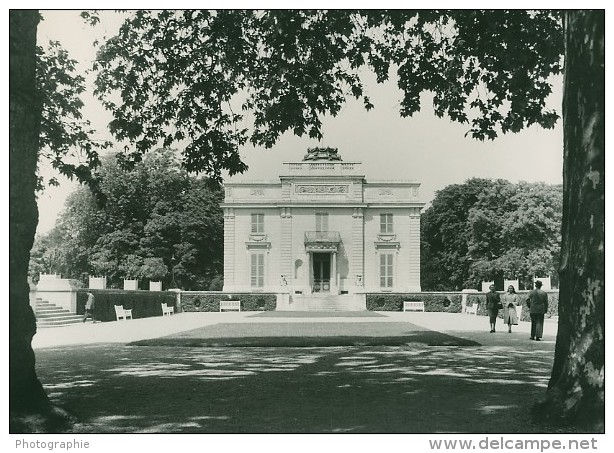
493	305
510	301
537	301
89	307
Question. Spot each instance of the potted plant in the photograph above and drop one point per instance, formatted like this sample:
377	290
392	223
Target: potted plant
132	269
102	266
155	270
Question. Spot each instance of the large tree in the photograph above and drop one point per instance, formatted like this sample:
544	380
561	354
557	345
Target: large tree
445	258
485	230
577	386
158	222
26	394
45	126
178	76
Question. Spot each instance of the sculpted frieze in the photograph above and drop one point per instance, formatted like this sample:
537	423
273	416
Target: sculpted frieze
320	188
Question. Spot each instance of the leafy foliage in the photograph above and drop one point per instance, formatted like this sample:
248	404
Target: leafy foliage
157	223
485	230
65	136
173	76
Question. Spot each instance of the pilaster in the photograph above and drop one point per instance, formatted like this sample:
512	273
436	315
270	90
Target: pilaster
286	266
413	242
229	247
357	258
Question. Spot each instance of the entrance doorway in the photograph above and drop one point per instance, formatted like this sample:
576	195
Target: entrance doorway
321	272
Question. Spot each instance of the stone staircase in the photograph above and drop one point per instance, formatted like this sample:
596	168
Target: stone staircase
323	302
50	315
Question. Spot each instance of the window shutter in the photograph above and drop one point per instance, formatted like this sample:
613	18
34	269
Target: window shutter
386	270
257	270
257	223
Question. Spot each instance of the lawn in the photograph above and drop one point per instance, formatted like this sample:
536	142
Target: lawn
401	389
308	334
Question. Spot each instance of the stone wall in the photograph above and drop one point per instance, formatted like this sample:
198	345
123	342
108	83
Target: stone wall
59	291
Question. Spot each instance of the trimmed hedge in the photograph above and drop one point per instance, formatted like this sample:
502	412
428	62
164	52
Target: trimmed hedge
441	302
144	304
450	302
210	301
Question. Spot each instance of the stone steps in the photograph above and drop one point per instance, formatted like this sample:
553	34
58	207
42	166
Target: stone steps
50	315
326	302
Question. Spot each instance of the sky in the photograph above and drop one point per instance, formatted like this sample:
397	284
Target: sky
423	148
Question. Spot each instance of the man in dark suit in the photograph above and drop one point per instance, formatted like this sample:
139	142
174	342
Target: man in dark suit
537	301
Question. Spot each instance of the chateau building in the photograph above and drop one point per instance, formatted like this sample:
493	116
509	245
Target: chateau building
322	229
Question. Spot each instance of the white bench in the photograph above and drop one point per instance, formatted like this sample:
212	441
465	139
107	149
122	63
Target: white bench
166	310
471	309
121	313
230	305
413	306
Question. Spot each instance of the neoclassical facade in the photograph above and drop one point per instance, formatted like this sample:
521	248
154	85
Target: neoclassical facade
322	229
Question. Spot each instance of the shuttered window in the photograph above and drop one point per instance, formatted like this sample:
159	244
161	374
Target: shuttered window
257	223
385	270
257	270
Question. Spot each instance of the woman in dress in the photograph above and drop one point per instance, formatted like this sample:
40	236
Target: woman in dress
493	302
510	301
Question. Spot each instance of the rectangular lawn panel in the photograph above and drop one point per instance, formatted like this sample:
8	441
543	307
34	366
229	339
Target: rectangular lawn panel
307	335
318	314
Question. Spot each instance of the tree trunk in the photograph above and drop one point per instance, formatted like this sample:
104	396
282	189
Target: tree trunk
576	390
30	409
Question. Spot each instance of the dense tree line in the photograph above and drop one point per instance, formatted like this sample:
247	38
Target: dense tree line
158	223
490	230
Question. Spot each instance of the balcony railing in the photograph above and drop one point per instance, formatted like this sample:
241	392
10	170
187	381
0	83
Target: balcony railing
329	168
312	237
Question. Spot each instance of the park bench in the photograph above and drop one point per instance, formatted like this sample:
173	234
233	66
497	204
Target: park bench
166	310
471	309
230	305
122	313
413	306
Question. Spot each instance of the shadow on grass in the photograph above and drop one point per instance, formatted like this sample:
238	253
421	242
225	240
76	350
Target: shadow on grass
417	389
307	335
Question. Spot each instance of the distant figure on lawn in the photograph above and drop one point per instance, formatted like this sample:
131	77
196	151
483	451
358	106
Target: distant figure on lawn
510	301
90	306
537	301
493	305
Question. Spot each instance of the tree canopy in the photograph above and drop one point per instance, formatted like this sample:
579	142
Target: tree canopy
484	230
66	138
192	76
158	223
